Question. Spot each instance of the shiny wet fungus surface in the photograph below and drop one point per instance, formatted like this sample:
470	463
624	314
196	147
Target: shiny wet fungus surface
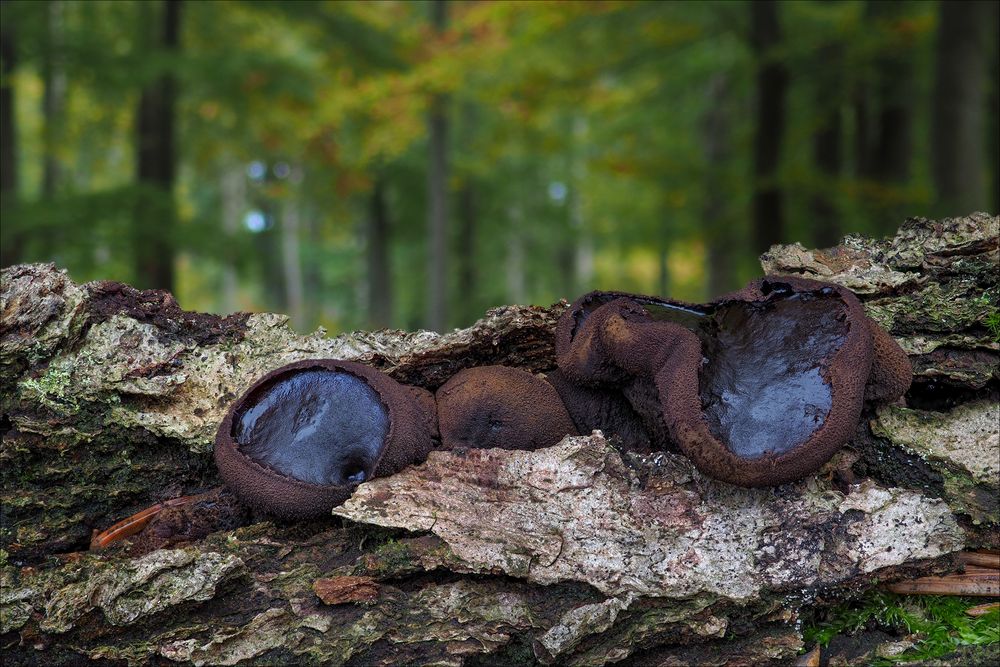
319	426
763	381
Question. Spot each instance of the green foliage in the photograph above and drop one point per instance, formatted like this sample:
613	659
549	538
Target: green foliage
601	144
938	623
992	321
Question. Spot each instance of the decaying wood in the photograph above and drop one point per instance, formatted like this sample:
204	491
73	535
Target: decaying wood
973	581
340	590
578	554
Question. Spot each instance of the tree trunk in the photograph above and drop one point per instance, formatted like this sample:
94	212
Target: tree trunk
467	274
583	239
10	248
468	222
379	265
718	149
153	234
958	162
233	192
291	255
437	195
827	150
993	112
53	94
772	85
573	554
514	264
893	150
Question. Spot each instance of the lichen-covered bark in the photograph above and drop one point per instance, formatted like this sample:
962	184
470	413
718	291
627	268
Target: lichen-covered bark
577	554
935	287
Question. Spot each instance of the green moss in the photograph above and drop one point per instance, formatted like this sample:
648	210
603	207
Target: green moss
938	622
992	321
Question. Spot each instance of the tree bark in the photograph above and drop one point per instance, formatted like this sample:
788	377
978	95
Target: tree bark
958	161
772	85
574	554
153	242
437	195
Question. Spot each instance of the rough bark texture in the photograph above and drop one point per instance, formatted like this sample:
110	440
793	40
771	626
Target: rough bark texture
577	554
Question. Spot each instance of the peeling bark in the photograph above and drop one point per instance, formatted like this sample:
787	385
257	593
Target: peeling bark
577	554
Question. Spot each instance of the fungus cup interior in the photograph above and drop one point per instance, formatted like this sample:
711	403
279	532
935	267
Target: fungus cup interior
763	381
764	385
316	425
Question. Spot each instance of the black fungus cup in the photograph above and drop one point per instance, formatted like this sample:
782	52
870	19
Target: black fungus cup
842	364
409	436
698	367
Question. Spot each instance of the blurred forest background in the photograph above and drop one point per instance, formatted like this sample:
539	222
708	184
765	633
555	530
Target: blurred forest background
411	164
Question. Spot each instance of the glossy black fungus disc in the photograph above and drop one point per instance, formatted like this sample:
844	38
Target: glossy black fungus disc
319	426
301	438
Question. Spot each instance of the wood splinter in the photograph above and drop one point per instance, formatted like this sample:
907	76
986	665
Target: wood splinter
980	577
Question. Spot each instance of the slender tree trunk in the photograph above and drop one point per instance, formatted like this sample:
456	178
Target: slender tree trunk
53	95
894	149
156	161
468	278
437	196
993	113
312	276
772	85
583	274
514	269
379	264
957	132
663	257
10	248
889	152
269	255
862	131
827	154
716	129
468	221
291	257
233	190
827	151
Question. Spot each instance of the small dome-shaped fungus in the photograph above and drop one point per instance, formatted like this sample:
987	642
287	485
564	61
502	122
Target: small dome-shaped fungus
302	437
499	406
777	386
758	388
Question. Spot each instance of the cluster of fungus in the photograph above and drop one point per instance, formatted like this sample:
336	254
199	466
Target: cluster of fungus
757	388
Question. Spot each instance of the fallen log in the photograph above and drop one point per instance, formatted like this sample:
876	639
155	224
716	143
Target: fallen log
578	554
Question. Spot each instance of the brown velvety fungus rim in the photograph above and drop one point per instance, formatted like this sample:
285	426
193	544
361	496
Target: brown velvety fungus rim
408	440
868	365
591	364
847	372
